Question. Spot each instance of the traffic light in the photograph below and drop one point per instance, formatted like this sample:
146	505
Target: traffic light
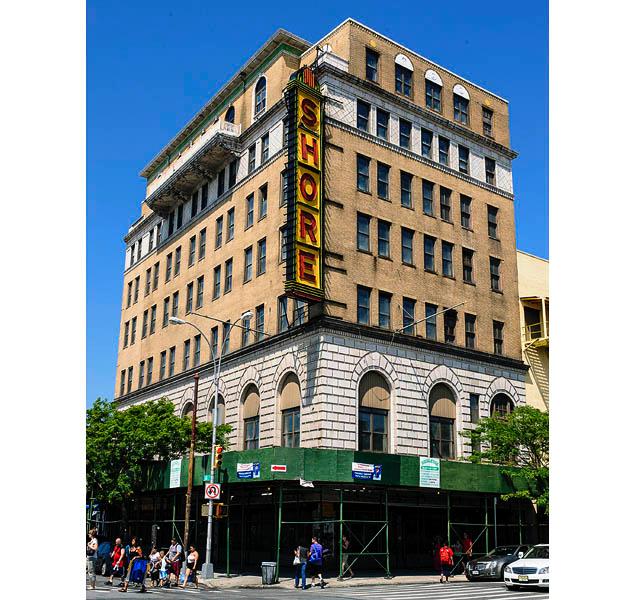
218	457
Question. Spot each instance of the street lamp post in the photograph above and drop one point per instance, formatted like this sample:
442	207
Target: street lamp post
207	569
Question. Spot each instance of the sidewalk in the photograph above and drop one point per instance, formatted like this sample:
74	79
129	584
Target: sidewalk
221	581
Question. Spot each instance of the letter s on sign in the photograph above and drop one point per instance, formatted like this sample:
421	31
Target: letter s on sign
309	113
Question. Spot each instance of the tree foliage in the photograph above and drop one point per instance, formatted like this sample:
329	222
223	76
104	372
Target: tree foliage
519	439
119	443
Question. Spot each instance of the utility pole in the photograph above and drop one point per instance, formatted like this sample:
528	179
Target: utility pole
190	471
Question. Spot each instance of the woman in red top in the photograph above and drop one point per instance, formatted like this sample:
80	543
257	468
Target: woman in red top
446	557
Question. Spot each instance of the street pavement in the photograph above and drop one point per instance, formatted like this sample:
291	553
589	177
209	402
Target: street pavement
428	591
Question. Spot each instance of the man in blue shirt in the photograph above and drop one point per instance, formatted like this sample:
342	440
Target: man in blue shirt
315	562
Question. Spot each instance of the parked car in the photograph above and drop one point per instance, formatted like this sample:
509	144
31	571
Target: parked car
531	570
491	566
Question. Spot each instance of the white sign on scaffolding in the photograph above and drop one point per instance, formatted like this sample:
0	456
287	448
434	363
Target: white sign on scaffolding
429	472
175	473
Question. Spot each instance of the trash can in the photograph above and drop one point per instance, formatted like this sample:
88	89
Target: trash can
268	573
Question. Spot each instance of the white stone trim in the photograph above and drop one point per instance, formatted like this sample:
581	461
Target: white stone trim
404	61
459	90
433	76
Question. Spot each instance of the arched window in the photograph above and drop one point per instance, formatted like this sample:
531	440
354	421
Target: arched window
251	418
261	96
461	104
230	115
403	75
501	406
374	407
442	422
290	400
187	410
434	85
220	417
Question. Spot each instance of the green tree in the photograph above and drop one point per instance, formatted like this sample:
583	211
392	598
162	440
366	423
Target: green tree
120	443
519	439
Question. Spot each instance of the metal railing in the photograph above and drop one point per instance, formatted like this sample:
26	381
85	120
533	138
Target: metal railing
535	331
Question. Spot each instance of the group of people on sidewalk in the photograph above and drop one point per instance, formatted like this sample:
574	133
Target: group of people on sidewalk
443	555
312	559
131	564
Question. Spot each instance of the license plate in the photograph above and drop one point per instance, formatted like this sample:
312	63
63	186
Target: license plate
474	572
523	578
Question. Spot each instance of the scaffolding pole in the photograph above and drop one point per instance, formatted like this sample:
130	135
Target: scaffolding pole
486	526
227	533
341	576
279	530
387	575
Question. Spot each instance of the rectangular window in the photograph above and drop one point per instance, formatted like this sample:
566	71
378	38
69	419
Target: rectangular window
129	301
171	224
428	198
426	143
446	256
168	267
214	339
383	120
230	224
136	290
429	244
249	211
464	160
175	304
449	326
200	287
492	222
252	433
384	310
283	319
229	273
284	188
153	318
470	331
498	337
248	264
202	242
219	233
189	298
251	158
403	80
261	267
177	261
433	95
494	272
246	331
488	117
260	322
192	254
363	115
363	305
179	217
151	241
216	290
129	386
363	173
461	113
148	282
197	350
159	230
291	428
162	364
122	382
300	314
466	212
474	405
226	335
144	327
262	202
468	265
406	246
431	321
405	132
373	430
383	180
233	168
264	148
221	183
372	65
444	151
186	354
283	244
150	363
172	362
363	232
490	171
133	330
408	316
194	205
142	372
166	311
139	250
155	277
406	189
204	195
446	204
442	434
126	333
383	239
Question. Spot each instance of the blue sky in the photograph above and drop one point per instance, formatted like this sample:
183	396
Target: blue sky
152	65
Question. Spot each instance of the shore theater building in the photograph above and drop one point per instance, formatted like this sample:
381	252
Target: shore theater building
338	221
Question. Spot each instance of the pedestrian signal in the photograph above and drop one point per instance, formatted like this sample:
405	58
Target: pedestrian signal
220	510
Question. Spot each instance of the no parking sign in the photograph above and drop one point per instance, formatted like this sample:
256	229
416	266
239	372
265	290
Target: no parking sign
212	491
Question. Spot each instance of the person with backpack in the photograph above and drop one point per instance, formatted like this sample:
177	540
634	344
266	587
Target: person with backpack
129	553
91	557
299	564
446	558
315	562
118	557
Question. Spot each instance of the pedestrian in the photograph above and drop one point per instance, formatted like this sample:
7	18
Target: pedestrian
467	544
190	567
118	560
299	564
458	549
129	552
155	560
315	562
346	544
446	559
175	555
163	569
137	570
91	557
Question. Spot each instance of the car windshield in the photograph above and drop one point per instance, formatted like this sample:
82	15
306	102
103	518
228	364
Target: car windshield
538	552
503	551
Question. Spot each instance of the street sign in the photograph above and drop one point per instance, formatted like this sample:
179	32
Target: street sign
207	477
278	468
366	471
429	472
212	491
248	470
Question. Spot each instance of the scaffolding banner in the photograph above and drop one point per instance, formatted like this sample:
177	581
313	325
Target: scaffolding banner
248	470
175	473
429	472
366	471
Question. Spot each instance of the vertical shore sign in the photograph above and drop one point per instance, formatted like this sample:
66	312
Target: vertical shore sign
304	276
429	472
